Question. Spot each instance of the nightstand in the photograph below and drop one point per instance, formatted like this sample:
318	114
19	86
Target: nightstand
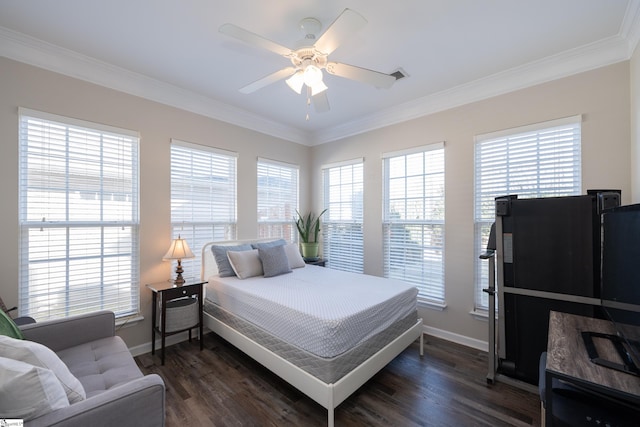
180	310
319	262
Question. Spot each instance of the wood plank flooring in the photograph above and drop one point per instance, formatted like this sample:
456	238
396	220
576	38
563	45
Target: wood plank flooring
221	386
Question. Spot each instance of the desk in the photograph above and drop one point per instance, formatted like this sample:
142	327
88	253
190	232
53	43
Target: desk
567	360
167	291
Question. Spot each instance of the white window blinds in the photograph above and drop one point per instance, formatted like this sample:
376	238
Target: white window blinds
78	215
203	198
413	223
342	223
541	160
277	199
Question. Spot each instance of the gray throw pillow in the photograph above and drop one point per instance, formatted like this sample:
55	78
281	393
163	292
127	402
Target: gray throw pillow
274	261
279	242
220	254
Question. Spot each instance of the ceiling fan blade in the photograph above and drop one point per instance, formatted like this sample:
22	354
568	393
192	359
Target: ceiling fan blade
374	78
254	39
340	30
320	102
265	81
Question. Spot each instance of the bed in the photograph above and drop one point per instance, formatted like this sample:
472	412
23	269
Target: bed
338	343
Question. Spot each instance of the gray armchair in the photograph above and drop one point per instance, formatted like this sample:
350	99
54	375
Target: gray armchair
118	394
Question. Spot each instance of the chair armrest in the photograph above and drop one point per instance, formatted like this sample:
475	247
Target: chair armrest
71	331
138	403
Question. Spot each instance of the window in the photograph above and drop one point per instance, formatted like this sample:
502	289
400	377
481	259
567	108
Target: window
277	199
413	223
203	198
342	223
78	217
541	160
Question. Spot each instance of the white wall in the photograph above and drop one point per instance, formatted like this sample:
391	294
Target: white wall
25	86
601	96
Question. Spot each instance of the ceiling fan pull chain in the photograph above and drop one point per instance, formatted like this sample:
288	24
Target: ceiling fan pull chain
308	101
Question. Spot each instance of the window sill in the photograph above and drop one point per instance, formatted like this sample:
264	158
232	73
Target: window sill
432	305
128	321
482	315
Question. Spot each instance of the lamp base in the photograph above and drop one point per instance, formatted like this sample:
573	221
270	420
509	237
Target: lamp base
179	279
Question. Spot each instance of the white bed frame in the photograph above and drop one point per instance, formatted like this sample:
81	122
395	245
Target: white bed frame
327	395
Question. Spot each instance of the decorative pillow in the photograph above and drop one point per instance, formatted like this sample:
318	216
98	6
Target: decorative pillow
278	242
8	327
274	261
38	355
28	391
294	256
220	254
245	263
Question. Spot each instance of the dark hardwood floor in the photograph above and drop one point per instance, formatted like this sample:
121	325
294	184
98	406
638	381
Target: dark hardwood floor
221	386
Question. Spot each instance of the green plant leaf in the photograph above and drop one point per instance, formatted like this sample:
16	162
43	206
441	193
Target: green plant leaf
307	225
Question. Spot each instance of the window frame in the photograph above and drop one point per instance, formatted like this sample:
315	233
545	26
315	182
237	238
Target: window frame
86	190
202	222
516	140
282	224
430	281
343	254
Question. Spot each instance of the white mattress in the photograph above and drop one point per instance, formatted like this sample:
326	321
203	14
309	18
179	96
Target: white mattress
323	311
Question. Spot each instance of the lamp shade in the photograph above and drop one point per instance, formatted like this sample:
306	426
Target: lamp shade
312	75
317	88
179	249
296	81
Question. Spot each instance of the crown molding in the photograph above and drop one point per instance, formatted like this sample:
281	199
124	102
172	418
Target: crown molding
585	58
23	48
32	51
630	28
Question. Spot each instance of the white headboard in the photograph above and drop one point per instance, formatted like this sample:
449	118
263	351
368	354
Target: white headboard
210	267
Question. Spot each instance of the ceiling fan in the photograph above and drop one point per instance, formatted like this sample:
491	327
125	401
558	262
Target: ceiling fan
312	57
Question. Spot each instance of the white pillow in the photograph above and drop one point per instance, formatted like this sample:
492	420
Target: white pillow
38	355
28	391
245	263
294	256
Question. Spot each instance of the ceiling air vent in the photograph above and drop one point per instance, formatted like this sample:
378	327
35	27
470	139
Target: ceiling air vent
399	74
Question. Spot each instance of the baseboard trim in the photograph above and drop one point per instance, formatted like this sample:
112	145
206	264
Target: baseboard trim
170	340
456	338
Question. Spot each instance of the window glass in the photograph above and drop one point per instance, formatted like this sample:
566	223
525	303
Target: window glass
542	160
413	225
78	215
203	198
277	199
342	222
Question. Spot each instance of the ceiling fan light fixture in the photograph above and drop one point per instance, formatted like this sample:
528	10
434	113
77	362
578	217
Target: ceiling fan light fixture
312	75
296	81
318	88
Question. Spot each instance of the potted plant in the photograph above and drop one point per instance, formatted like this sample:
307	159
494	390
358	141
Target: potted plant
309	228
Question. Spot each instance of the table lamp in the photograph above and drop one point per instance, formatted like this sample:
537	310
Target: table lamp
178	250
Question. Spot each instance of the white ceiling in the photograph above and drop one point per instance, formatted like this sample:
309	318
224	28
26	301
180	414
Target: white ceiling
454	52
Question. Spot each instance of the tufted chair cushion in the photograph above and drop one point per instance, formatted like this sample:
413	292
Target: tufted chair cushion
101	365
